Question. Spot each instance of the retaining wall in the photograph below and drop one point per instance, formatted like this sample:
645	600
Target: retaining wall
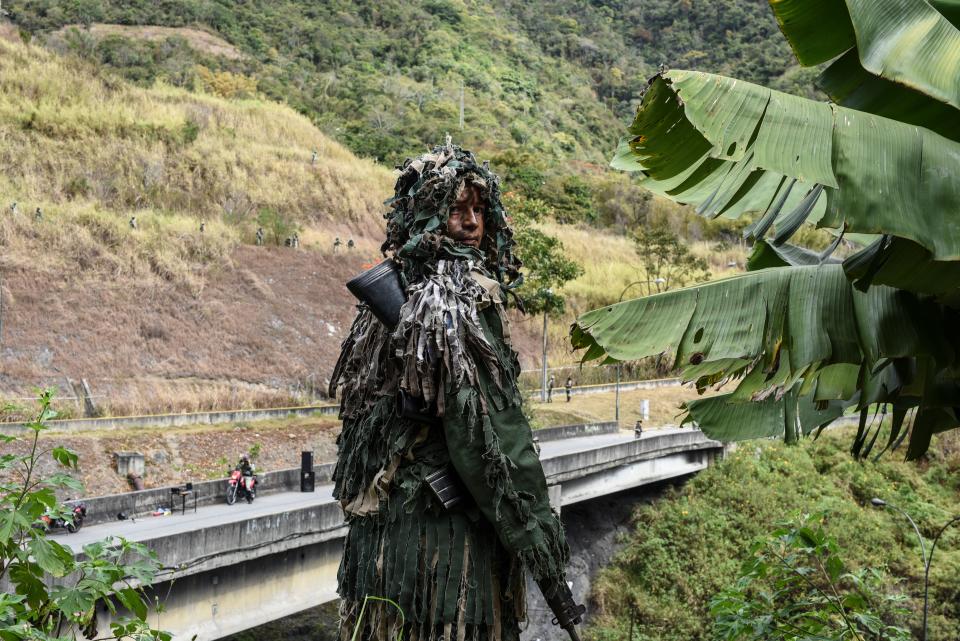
101	509
154	421
159	421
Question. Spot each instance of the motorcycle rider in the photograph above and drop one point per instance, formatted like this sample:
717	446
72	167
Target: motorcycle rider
248	471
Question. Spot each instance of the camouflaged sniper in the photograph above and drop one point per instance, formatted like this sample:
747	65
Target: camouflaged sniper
456	574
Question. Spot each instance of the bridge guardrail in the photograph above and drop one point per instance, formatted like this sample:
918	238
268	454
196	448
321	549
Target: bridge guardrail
101	509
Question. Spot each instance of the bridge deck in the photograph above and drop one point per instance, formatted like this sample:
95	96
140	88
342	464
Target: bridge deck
147	528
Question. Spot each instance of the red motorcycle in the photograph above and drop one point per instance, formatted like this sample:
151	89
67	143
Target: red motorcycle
240	484
78	512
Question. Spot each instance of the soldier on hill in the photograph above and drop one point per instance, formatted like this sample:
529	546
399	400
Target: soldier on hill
259	236
38	215
350	244
448	509
133	222
13	208
336	245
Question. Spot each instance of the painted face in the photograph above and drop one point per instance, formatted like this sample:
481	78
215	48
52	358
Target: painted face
465	224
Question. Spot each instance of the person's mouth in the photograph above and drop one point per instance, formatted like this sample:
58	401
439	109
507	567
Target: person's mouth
473	242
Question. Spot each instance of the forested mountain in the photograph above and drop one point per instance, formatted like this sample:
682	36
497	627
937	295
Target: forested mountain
555	80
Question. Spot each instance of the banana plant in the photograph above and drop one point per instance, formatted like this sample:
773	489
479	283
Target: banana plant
802	335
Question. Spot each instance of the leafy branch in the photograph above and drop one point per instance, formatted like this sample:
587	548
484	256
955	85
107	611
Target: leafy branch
49	594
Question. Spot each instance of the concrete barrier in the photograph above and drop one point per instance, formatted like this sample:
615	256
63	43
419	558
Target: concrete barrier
155	421
572	431
101	509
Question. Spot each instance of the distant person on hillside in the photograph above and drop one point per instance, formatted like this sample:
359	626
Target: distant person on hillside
259	236
313	157
133	222
350	244
569	387
38	215
336	244
203	227
13	208
446	502
550	384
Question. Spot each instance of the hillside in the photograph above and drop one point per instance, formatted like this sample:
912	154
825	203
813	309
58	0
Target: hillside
715	518
162	113
165	317
553	79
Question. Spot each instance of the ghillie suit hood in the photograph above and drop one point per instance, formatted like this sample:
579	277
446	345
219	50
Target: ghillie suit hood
427	188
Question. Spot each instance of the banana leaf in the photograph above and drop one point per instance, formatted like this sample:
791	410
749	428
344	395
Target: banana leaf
910	42
766	255
850	85
803	330
724	419
730	147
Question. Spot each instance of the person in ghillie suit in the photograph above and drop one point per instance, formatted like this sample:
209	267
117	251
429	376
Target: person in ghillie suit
457	573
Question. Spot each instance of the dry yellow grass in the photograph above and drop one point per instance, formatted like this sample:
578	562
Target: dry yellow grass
70	138
594	408
610	264
200	40
91	152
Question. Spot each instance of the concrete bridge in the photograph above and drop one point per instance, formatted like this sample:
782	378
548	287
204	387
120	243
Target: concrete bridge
230	568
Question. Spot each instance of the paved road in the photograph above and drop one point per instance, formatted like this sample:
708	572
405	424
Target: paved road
146	528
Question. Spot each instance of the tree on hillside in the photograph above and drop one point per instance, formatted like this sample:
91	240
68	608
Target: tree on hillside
805	336
667	261
545	270
278	226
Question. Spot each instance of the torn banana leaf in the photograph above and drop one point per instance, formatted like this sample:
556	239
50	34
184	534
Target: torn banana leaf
724	419
914	43
729	147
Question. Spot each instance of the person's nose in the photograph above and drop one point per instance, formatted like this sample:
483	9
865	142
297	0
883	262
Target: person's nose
470	220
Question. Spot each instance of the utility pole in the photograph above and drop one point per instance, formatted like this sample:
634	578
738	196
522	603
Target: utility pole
548	295
543	377
461	105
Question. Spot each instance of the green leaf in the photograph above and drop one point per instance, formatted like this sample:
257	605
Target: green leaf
766	255
725	419
65	457
805	326
850	85
906	41
63	480
834	567
10	520
726	146
52	557
28	582
906	265
817	30
133	601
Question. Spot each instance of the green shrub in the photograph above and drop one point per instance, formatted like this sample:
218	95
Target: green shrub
688	547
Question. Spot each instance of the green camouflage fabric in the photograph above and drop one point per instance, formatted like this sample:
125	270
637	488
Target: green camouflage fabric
459	573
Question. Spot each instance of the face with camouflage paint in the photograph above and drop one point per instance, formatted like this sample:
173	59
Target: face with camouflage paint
465	222
428	222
